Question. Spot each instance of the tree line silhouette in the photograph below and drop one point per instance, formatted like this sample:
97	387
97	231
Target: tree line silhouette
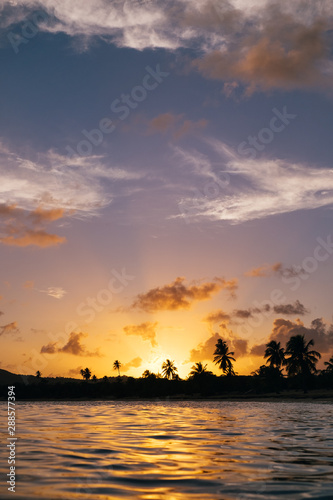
297	359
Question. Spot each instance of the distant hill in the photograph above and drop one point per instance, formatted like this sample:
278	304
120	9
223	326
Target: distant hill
8	378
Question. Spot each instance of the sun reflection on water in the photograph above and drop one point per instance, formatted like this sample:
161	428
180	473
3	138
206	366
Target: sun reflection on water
173	450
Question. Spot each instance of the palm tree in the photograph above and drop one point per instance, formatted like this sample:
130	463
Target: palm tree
301	360
329	365
169	369
116	366
274	354
199	370
86	373
38	374
223	357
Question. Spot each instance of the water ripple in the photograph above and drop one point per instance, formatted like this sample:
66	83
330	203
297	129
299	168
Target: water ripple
173	451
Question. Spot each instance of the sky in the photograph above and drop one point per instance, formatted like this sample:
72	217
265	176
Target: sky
165	180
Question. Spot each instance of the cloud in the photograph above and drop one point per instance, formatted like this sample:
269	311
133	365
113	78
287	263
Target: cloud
163	123
277	268
210	16
50	348
52	291
23	228
73	346
56	292
145	330
239	346
135	363
75	371
178	295
10	328
319	331
132	24
34	194
41	215
205	350
262	45
33	238
293	309
263	271
292	271
275	48
175	124
190	127
257	189
29	285
243	313
287	309
268	63
218	316
258	350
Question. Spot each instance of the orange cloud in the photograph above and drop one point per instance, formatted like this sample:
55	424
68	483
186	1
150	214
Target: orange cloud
73	346
217	317
135	363
40	239
178	295
40	214
280	52
205	350
22	228
283	329
146	330
50	348
9	328
168	122
164	122
263	271
75	371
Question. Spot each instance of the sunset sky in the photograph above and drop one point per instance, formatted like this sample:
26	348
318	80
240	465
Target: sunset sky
166	178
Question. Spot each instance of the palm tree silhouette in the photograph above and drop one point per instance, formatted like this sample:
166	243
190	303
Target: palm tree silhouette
116	366
169	369
274	354
223	357
301	360
199	370
86	373
329	365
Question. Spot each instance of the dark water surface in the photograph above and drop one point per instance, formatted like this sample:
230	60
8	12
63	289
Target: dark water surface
171	450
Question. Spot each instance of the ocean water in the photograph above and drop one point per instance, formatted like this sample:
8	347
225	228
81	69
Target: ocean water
171	450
